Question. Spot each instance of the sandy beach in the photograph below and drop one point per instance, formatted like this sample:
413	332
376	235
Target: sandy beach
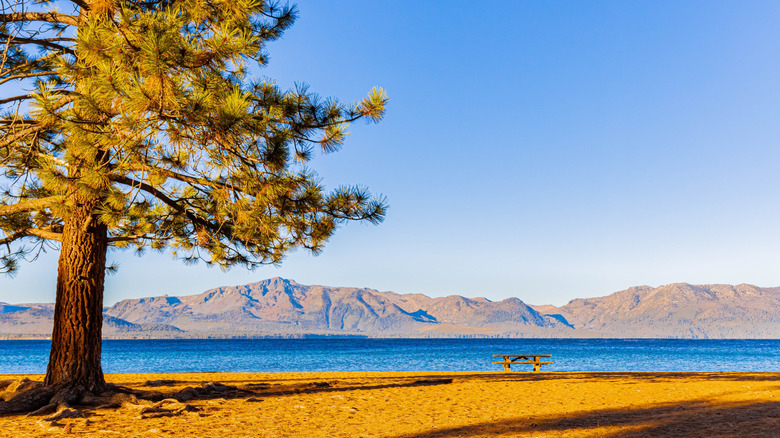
429	404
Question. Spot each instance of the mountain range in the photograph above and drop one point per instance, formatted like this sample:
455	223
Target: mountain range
280	307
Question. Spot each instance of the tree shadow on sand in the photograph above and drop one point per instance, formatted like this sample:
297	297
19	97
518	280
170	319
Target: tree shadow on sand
528	376
686	419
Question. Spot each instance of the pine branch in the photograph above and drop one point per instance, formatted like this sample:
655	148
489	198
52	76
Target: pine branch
137	237
11	237
25	76
49	17
18	122
16	98
54	160
32	204
48	42
121	179
80	4
189	179
43	233
314	126
196	220
30	64
7	140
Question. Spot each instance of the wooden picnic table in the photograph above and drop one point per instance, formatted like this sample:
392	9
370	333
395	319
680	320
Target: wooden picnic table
531	359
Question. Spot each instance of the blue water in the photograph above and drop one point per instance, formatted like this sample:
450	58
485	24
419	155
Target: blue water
357	354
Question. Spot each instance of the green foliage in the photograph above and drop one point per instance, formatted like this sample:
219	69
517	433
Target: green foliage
149	106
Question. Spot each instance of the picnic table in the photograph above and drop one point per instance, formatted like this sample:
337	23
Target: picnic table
531	359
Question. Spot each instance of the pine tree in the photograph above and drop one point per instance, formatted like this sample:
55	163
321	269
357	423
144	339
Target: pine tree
142	124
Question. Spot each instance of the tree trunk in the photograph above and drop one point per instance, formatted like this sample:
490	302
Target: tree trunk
74	360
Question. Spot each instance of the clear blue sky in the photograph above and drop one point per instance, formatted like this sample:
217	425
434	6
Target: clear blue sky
544	150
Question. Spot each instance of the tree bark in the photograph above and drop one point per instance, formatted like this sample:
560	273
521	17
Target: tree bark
74	360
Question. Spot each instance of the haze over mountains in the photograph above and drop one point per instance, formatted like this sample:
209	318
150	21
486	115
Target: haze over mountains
279	307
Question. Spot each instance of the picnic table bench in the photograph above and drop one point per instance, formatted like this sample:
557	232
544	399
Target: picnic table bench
531	359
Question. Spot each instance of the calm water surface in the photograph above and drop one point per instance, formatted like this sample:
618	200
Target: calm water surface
356	354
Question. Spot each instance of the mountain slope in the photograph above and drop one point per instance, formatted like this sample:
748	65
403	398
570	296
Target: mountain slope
35	320
279	306
679	310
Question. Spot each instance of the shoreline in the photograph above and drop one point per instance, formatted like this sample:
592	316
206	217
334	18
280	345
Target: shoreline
438	404
200	337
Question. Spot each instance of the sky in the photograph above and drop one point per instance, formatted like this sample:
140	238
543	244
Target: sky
541	150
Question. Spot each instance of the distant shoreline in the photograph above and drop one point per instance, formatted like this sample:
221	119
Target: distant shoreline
196	338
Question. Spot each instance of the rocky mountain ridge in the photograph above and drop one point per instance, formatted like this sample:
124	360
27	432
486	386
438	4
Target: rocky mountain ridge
678	310
279	307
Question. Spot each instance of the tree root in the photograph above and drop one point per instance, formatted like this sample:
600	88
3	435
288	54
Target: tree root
62	402
24	396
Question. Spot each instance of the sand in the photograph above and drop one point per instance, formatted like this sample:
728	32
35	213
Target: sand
428	404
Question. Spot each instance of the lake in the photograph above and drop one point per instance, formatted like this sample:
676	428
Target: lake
361	354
